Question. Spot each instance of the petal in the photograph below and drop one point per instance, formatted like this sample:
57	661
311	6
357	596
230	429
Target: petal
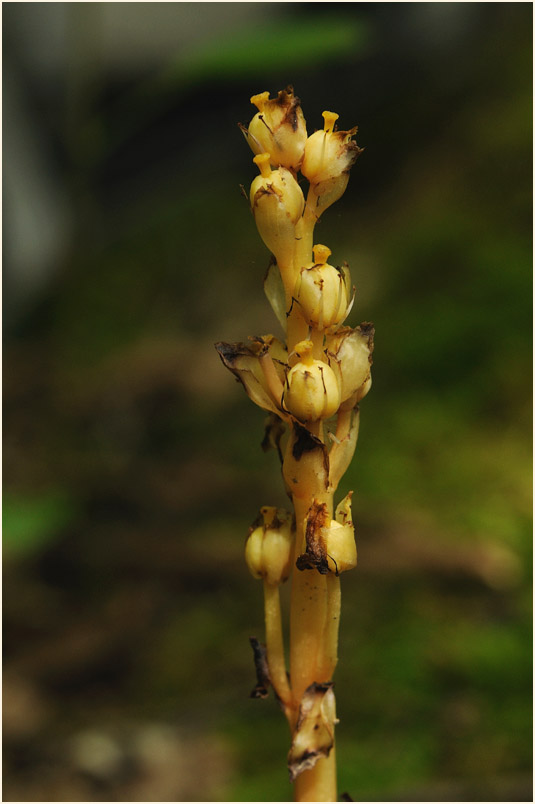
341	453
274	290
343	510
243	363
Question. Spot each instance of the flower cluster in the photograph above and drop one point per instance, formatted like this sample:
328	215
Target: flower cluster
323	367
310	382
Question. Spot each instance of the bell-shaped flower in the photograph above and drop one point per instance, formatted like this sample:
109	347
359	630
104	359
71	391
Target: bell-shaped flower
278	129
329	156
322	291
268	549
277	203
311	391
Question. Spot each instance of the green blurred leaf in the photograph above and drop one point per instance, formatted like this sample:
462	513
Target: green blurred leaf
30	523
288	45
252	52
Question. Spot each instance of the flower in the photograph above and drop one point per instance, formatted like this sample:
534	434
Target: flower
329	153
268	548
278	128
322	291
329	156
277	202
311	390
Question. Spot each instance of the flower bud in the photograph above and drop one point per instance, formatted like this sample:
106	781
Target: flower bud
339	539
277	202
268	549
311	390
321	291
349	352
278	129
329	155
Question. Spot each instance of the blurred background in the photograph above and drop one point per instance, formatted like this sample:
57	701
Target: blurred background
132	460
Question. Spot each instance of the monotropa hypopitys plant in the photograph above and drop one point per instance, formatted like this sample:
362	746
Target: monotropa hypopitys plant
310	383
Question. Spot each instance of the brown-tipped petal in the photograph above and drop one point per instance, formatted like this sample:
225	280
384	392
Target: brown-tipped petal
279	129
329	154
243	361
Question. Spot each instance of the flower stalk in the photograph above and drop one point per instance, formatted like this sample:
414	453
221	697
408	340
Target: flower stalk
311	385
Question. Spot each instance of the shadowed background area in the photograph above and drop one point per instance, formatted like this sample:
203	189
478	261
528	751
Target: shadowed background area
132	460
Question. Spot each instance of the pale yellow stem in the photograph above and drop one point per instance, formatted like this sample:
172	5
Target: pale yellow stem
297	328
316	428
275	644
317	337
318	783
314	598
308	611
307	620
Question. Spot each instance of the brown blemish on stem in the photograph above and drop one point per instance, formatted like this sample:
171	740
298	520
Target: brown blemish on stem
315	556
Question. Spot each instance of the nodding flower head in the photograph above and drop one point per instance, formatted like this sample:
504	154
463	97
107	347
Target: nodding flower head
278	128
